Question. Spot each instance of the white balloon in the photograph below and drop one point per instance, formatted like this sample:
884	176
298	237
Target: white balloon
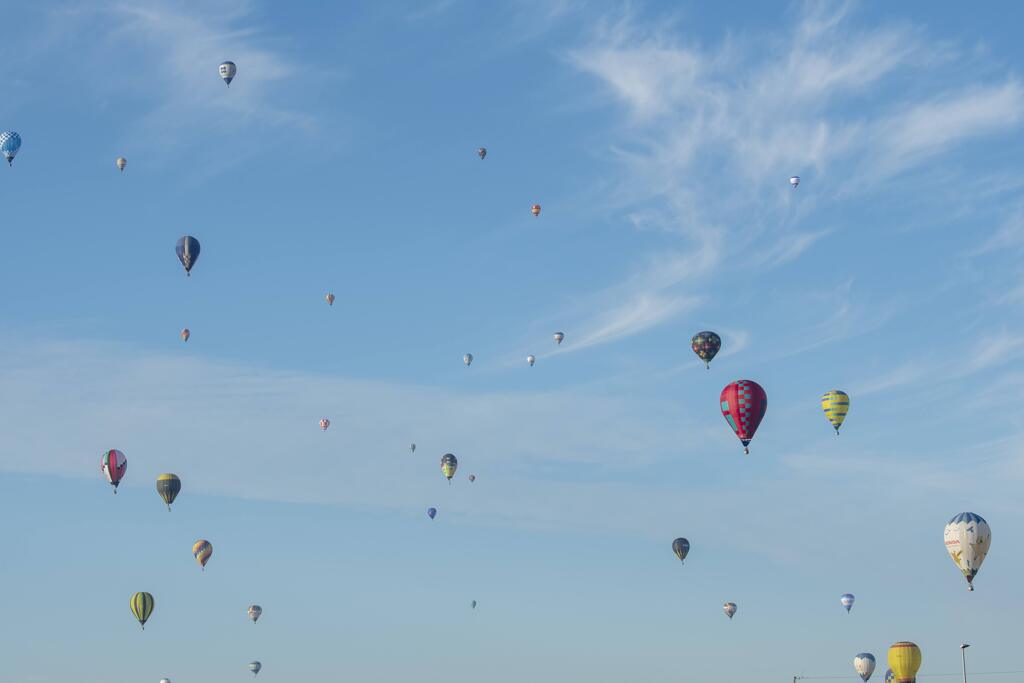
531	359
864	665
968	537
794	181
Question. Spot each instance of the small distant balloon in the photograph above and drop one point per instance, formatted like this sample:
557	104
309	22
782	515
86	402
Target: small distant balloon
481	152
846	600
706	345
254	612
330	299
558	337
187	250
142	607
185	334
165	680
729	608
836	405
531	359
412	447
10	143
473	604
535	210
114	465
227	71
468	359
794	181
431	512
681	547
890	677
168	486
202	550
255	667
121	163
864	665
449	463
471	478
324	424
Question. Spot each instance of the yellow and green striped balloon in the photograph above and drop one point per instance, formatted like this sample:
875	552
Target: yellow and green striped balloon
142	606
168	486
836	404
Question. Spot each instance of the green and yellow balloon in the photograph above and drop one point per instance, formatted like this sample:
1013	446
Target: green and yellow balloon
168	486
836	405
142	606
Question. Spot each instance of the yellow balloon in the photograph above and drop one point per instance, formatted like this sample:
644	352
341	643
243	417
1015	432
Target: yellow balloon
836	404
905	660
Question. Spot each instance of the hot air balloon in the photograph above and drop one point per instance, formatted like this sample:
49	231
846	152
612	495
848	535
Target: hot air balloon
681	547
254	612
468	359
449	463
168	486
743	405
864	665
412	447
114	465
227	71
729	608
968	538
531	359
324	423
706	345
535	210
481	152
472	478
836	404
185	334
187	250
255	667
330	299
794	181
165	680
202	550
142	607
10	143
431	512
904	660
559	336
121	163
846	600
473	604
890	677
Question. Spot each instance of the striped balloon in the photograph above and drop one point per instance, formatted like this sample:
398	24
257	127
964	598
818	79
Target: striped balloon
142	607
113	466
255	667
168	486
202	550
743	404
187	250
836	404
905	660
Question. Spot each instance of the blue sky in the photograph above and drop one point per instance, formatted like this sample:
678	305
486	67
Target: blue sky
658	137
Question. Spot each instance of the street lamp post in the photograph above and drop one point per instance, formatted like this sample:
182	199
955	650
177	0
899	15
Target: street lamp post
963	658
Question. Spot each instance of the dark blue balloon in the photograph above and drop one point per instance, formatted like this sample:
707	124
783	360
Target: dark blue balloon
187	250
431	512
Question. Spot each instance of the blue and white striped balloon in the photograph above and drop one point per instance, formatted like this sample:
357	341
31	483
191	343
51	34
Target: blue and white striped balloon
10	143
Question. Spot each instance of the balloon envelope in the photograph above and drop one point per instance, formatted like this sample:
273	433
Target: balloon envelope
187	249
142	607
681	547
743	404
202	550
330	299
227	71
431	512
706	345
836	404
531	359
324	424
846	600
121	163
255	667
535	210
904	660
794	180
472	478
113	466
185	334
729	608
468	359
481	152
449	463
968	537
10	143
254	612
559	336
168	486
864	665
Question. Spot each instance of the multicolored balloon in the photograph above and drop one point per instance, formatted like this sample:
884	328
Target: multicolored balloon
168	486
187	250
121	163
142	607
324	423
330	299
535	210
202	550
531	359
836	404
904	660
890	677
968	538
431	512
681	547
864	665
481	152
10	143
559	336
114	465
706	345
185	334
227	71
254	612
449	463
743	404
730	609
255	667
846	600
